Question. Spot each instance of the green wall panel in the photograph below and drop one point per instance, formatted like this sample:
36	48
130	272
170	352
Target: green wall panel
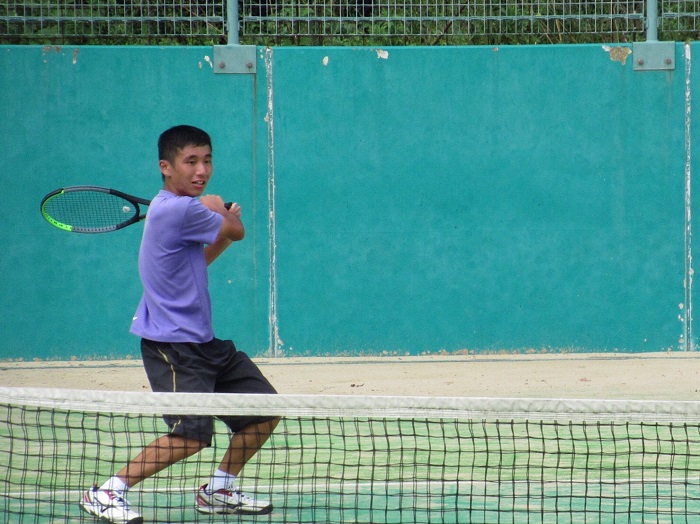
425	199
92	115
477	198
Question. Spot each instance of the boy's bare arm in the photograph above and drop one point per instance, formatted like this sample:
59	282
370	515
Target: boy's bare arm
231	228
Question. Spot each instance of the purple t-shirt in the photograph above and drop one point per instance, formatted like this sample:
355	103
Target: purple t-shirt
175	306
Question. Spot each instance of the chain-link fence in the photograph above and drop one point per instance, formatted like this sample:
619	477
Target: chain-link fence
342	22
680	19
111	21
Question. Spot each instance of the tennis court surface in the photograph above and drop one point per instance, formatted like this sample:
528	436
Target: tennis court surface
551	438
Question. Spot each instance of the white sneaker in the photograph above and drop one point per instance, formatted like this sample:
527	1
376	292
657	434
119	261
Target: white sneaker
110	506
225	501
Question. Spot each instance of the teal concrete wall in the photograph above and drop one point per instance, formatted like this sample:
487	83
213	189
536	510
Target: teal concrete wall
397	201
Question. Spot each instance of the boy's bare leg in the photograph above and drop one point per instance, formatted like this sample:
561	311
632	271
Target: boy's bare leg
169	449
246	443
158	455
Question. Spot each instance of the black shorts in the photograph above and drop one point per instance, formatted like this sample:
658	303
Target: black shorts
212	367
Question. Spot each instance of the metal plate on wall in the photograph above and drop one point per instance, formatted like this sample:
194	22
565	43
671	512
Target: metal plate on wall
235	59
654	56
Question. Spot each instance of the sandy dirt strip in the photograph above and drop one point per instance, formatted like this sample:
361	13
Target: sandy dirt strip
648	376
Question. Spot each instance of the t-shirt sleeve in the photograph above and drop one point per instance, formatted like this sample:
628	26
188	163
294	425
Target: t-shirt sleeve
200	224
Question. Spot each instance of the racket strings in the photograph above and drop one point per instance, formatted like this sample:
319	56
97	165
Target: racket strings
90	210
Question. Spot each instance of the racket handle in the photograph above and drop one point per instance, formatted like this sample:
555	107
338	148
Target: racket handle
228	205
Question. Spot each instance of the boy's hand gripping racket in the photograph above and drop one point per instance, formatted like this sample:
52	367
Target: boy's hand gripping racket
92	209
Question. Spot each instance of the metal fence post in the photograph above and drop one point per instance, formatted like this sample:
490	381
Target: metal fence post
232	22
234	58
653	55
652	20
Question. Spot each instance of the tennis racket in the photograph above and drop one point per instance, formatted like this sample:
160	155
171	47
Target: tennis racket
92	209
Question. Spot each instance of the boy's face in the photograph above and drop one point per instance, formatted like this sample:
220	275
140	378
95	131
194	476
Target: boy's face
190	171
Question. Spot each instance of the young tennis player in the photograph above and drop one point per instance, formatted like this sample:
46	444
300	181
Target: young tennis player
184	233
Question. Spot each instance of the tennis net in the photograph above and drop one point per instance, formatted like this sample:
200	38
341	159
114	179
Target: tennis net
365	458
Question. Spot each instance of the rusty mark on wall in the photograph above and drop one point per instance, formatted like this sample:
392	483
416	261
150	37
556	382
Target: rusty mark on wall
618	53
58	50
48	48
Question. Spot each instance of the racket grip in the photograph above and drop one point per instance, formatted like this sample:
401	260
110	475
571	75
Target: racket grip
228	205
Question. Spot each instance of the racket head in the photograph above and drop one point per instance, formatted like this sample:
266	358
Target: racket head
90	209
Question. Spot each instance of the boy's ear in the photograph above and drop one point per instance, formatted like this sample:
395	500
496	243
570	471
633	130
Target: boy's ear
164	167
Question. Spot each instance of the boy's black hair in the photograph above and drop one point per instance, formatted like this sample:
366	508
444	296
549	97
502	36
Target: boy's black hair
176	138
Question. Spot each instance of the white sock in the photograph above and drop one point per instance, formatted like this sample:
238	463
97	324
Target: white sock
115	484
220	480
